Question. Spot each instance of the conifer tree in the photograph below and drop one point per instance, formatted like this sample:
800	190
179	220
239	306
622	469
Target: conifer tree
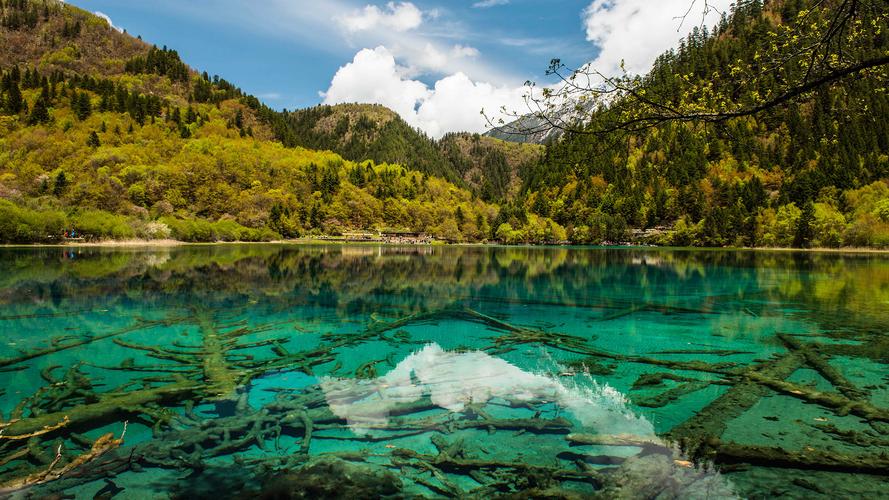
60	184
39	113
14	102
93	140
83	108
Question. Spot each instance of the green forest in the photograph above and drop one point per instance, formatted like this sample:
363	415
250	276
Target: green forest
109	137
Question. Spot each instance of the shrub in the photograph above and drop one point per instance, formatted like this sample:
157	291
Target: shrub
101	224
23	225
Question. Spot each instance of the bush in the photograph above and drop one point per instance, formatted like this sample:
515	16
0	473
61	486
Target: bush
23	225
98	224
200	230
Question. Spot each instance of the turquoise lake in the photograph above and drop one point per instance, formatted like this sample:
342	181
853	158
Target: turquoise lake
299	371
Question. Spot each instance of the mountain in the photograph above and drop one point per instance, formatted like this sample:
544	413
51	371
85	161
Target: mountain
538	128
104	136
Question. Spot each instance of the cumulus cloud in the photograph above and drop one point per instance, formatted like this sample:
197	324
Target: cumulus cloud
374	77
108	20
637	31
452	104
403	16
437	59
484	4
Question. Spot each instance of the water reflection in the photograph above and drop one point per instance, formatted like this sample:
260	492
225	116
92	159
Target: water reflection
469	370
453	380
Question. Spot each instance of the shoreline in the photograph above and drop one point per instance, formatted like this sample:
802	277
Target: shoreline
170	243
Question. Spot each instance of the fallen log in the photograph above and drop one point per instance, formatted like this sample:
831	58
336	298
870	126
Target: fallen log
107	406
807	458
36	353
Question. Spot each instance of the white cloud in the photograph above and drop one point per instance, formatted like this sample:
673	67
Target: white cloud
637	31
464	51
456	102
484	4
402	16
439	60
373	77
108	20
453	104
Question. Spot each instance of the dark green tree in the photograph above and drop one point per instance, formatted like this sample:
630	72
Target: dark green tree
93	140
13	104
60	184
39	113
805	229
83	107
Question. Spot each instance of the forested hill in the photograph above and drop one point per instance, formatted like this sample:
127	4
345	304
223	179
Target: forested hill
491	168
105	136
812	171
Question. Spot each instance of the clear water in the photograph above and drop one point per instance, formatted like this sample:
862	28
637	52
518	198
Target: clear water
365	371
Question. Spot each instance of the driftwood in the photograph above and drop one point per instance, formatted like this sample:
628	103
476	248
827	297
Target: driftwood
221	380
814	359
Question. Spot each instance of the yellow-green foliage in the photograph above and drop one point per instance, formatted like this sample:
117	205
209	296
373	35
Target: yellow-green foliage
218	185
24	225
62	57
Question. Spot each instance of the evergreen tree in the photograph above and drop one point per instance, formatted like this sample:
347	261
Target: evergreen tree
805	229
14	102
83	109
60	184
93	140
39	113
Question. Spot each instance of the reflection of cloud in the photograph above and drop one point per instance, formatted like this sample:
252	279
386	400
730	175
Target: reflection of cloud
453	380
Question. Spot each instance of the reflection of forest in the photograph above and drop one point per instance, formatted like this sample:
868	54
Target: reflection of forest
839	291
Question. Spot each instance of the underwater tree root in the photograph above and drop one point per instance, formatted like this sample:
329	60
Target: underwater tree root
101	446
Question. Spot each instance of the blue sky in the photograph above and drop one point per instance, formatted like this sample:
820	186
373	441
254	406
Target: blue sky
436	62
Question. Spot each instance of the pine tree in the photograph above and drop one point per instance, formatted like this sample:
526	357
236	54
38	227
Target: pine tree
93	140
39	113
83	108
14	102
60	184
805	230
